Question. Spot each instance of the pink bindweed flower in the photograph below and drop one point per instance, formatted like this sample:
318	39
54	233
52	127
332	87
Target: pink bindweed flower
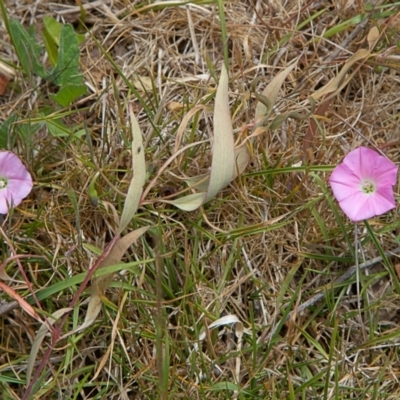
363	184
15	181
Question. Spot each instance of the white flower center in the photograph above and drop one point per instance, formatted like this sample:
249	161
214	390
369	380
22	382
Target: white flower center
368	186
3	182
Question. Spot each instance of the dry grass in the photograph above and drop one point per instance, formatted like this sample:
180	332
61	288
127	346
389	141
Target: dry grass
266	244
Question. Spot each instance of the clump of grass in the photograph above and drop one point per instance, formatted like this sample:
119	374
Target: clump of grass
271	240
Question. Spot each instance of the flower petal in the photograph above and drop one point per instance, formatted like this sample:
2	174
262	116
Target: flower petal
362	161
19	181
367	163
386	192
344	182
387	176
18	190
361	206
11	166
346	179
3	204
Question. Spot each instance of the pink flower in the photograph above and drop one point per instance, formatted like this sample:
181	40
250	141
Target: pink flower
363	184
15	181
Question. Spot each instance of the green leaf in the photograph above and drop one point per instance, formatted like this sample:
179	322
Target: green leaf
51	37
67	283
80	133
50	42
27	130
93	195
221	386
57	128
53	29
5	128
67	94
66	71
27	49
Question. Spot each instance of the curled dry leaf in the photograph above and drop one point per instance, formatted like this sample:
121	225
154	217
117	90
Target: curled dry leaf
223	165
139	175
342	78
101	284
23	303
331	88
269	95
227	161
373	37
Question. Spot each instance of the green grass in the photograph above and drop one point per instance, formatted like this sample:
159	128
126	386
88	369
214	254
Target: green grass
154	320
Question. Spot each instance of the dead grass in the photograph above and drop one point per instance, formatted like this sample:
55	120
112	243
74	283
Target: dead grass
269	242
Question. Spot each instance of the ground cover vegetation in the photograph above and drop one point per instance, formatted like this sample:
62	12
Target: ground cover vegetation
181	239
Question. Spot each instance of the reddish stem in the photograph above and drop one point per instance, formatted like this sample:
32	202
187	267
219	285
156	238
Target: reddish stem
57	329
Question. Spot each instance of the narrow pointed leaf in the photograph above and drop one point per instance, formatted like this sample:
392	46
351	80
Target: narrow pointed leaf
373	37
67	71
223	165
21	301
242	159
223	159
190	202
27	49
271	92
341	80
139	175
101	284
200	182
